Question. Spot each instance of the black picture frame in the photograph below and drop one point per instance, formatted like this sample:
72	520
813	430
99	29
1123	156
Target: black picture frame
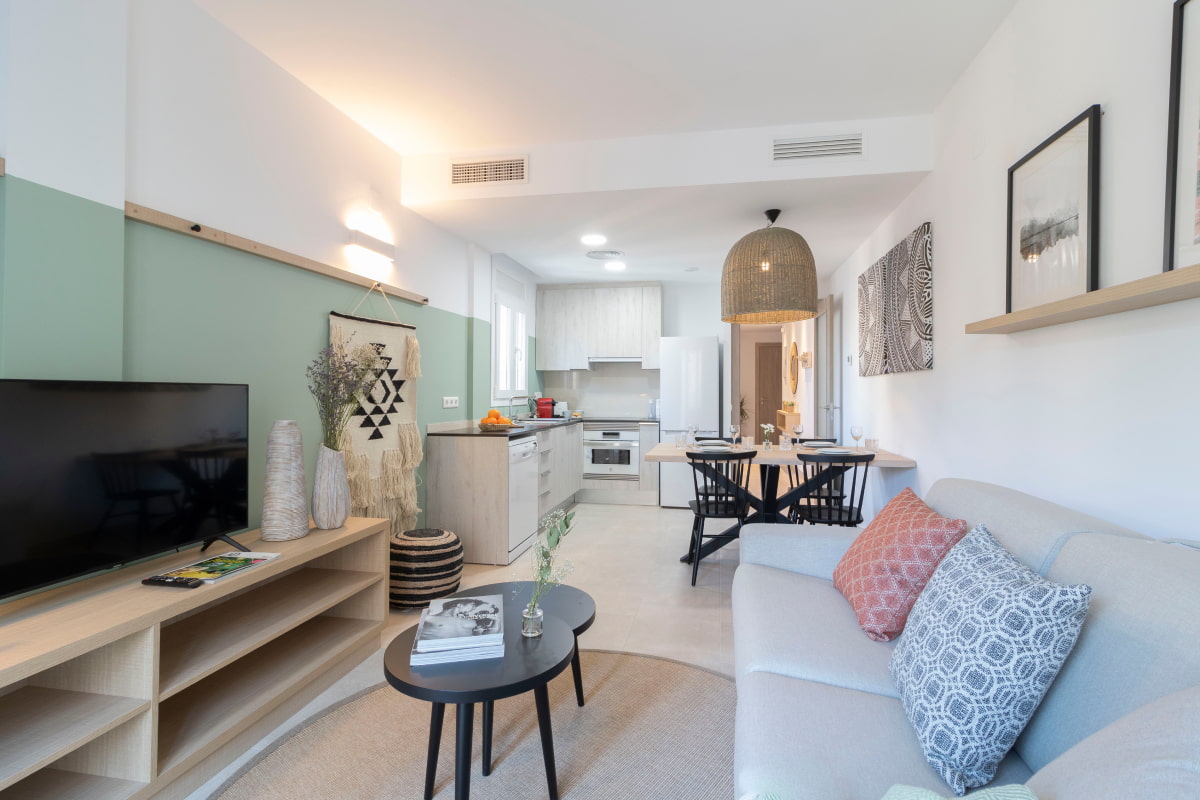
1053	229
1183	182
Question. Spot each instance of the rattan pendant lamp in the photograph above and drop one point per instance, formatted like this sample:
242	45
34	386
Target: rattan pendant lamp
769	277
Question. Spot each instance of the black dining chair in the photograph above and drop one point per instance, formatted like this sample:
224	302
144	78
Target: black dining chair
830	493
722	483
839	484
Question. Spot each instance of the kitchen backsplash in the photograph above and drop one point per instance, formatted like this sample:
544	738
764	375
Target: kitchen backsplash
605	390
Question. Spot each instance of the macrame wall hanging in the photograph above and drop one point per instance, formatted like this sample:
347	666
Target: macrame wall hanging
383	446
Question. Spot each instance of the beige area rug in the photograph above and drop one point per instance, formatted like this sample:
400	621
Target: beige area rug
651	728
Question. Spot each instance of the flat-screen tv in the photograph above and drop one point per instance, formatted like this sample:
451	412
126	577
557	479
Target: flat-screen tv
97	474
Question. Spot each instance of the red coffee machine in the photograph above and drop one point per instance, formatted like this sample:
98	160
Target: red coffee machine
545	407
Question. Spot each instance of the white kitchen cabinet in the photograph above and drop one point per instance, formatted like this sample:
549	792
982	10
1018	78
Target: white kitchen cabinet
560	329
560	467
578	322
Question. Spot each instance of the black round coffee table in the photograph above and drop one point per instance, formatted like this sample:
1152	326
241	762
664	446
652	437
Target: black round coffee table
573	606
527	664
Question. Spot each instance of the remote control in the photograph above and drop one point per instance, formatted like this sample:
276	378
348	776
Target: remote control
163	580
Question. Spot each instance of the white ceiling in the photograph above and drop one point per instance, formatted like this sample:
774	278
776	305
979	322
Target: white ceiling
512	75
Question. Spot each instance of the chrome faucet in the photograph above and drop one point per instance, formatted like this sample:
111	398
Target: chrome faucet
528	405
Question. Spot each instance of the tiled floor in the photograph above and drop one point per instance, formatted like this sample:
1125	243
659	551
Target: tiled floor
627	559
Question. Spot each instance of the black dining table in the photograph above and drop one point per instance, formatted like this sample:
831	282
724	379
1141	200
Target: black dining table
769	506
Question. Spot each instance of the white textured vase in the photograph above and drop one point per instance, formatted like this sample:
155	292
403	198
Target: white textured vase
285	514
331	490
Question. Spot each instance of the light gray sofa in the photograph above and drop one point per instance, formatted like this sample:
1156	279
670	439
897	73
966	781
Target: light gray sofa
818	715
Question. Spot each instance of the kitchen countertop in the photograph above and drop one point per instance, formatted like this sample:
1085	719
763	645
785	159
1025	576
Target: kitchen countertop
528	430
472	429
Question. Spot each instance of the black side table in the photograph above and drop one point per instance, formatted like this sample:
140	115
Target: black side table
573	606
527	664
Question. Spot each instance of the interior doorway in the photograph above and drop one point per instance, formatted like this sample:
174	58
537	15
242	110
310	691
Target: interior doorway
768	384
827	402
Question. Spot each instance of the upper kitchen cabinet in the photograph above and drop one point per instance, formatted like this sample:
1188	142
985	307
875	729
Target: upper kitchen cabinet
579	322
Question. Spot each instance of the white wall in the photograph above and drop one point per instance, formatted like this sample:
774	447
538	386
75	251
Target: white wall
64	72
1096	415
220	134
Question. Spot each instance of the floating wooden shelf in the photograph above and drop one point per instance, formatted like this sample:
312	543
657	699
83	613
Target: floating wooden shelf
1165	287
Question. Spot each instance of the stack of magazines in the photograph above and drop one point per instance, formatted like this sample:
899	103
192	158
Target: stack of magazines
460	629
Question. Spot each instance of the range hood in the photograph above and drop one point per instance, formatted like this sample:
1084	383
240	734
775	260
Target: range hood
614	360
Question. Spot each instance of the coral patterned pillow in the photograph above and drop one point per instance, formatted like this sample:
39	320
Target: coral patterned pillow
890	562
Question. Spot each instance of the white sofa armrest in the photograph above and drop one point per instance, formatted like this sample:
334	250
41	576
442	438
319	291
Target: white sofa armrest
807	549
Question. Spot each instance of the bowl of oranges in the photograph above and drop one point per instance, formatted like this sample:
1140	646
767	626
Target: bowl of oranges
495	421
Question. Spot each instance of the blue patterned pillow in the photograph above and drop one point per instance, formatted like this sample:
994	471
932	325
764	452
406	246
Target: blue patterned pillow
983	643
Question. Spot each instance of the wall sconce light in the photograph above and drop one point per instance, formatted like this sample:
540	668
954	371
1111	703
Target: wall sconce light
370	243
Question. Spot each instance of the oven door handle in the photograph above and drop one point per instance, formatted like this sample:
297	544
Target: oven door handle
611	445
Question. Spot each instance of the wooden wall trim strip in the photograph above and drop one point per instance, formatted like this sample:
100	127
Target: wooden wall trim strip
160	219
2	172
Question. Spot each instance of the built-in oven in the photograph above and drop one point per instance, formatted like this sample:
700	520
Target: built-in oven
611	450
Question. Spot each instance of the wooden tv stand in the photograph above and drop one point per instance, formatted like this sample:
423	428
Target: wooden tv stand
112	690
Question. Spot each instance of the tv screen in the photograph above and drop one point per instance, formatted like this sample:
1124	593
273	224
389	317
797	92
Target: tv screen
95	474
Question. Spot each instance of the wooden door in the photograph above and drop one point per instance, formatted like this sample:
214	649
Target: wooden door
768	385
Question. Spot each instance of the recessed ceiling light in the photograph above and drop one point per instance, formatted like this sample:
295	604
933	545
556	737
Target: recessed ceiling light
593	239
614	266
604	255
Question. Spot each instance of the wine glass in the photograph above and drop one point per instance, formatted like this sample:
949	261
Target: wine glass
798	429
857	432
733	436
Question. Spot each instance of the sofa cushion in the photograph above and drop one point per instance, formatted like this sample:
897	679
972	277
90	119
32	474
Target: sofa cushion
1151	752
891	561
1030	528
984	642
803	740
802	627
808	549
1139	643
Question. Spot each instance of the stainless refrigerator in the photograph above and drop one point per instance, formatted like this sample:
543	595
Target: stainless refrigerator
690	385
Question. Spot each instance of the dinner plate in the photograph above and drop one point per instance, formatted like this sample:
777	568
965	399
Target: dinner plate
834	451
820	443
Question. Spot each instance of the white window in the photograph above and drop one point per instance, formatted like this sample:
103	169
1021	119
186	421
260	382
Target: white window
510	372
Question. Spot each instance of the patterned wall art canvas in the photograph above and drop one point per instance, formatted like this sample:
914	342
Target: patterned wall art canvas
895	308
384	447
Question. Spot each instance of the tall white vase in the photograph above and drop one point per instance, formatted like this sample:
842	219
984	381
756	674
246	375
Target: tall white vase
285	513
331	490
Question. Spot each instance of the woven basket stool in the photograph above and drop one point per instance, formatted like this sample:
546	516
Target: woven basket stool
426	564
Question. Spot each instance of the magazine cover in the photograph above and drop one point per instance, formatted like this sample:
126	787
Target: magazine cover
454	622
216	567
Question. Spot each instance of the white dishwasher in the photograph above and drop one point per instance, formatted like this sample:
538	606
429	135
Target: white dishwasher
522	494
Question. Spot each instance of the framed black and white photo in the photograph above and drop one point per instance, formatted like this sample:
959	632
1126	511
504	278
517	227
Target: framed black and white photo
1054	216
1182	242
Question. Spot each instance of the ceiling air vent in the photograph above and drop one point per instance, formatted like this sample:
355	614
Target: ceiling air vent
498	170
850	144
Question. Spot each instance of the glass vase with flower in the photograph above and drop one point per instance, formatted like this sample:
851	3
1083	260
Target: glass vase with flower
768	429
547	573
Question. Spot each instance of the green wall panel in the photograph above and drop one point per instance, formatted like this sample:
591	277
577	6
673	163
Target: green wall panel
62	295
197	311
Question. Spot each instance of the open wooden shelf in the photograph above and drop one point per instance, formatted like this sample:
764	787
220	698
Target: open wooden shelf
1165	287
63	785
197	717
196	646
38	726
112	690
